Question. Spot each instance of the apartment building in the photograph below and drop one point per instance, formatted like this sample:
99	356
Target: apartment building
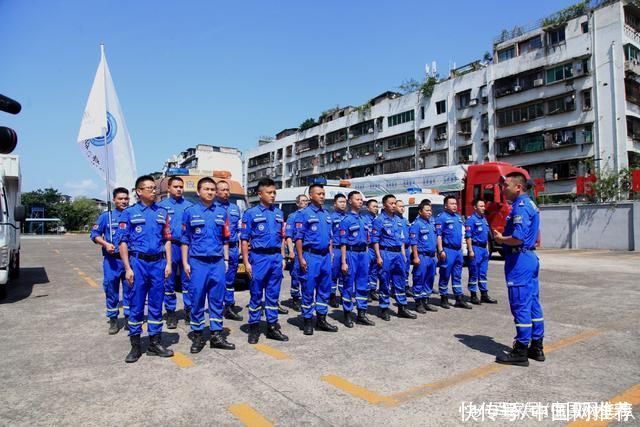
560	98
203	159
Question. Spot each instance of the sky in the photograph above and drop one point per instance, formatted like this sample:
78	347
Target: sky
222	73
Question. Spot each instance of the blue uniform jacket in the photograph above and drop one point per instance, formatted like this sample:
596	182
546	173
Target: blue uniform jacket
205	229
314	227
263	227
368	223
404	227
290	226
175	209
144	228
353	230
422	233
476	228
449	226
101	228
233	212
336	219
386	231
523	221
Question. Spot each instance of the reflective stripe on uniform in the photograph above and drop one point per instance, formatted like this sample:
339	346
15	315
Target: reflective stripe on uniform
523	325
270	307
538	320
255	309
197	323
154	322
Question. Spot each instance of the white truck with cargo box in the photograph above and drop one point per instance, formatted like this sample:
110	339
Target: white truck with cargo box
11	214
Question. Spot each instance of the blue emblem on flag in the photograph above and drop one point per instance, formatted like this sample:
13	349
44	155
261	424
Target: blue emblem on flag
112	130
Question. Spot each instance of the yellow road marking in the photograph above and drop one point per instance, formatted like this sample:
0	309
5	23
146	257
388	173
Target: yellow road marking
427	389
76	268
276	354
88	279
57	251
249	416
357	391
182	360
631	396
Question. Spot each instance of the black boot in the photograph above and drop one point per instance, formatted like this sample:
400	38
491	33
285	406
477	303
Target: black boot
461	303
172	320
126	323
474	298
404	312
230	314
408	291
348	322
157	349
198	342
427	305
362	319
444	302
517	356
187	316
274	333
281	309
420	307
535	351
136	350
308	326
219	341
333	301
385	314
296	305
375	295
323	325
113	326
254	333
486	298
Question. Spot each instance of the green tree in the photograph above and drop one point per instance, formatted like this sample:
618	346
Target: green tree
49	198
79	213
309	123
611	186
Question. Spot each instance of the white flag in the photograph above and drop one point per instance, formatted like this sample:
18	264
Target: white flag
103	115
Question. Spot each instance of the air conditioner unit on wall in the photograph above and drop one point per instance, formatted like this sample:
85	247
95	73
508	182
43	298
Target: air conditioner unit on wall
517	88
538	82
473	102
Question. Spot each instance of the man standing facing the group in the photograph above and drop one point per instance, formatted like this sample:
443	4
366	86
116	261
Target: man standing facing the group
313	246
477	236
301	202
223	194
105	235
422	235
337	278
449	241
145	249
263	229
205	252
175	205
521	268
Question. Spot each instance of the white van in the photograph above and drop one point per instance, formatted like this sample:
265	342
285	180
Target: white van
11	214
286	197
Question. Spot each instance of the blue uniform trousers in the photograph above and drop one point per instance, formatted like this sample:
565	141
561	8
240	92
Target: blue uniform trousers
265	286
478	267
392	275
451	268
337	278
295	278
373	271
230	277
316	284
113	274
170	301
356	281
407	264
423	276
148	286
521	272
207	281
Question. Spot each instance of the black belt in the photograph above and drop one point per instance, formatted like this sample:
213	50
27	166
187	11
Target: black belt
316	251
147	257
176	242
204	258
114	255
233	244
519	250
266	251
391	248
455	248
427	253
481	245
356	248
371	245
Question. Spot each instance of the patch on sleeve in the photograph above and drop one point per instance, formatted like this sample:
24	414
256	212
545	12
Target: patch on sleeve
243	225
95	226
298	225
468	228
517	219
343	232
438	225
123	226
412	235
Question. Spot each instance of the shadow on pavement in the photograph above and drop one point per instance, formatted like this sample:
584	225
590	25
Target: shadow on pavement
482	343
17	290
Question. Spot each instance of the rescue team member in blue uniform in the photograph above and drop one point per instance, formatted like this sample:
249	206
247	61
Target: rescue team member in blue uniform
404	223
337	278
449	242
521	268
223	193
263	229
313	245
107	236
422	236
477	236
354	262
205	255
389	247
294	266
145	242
175	205
369	216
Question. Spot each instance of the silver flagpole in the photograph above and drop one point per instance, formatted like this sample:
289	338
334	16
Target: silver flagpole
106	146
